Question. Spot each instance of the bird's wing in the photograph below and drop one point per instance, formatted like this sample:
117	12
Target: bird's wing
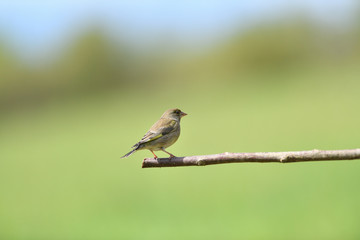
159	129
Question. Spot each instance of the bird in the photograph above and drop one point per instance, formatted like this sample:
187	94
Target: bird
164	133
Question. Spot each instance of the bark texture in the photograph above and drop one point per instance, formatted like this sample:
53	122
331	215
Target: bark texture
261	157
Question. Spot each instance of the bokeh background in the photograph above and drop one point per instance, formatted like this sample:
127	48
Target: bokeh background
82	81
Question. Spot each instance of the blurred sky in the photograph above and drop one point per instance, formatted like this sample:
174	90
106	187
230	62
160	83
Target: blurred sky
35	27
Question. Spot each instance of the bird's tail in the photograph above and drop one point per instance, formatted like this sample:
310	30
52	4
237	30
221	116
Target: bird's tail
129	153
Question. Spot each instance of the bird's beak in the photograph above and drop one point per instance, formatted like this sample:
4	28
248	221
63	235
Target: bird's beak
182	114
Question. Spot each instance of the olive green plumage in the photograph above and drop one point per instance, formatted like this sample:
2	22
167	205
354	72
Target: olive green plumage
162	134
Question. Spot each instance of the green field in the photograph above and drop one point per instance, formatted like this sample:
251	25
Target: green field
61	176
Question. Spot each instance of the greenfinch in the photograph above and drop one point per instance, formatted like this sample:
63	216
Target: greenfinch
162	134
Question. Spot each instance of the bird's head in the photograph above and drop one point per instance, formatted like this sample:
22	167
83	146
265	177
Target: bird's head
174	113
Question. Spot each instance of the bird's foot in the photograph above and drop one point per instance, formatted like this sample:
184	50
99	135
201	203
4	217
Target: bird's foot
171	156
155	157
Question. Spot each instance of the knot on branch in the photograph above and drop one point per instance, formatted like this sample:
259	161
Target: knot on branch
201	162
284	159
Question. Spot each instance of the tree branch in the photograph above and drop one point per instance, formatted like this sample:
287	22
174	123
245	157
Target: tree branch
263	157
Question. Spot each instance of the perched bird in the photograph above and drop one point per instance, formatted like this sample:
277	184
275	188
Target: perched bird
162	134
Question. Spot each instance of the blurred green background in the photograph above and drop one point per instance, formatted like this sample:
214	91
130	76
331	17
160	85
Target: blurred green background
81	82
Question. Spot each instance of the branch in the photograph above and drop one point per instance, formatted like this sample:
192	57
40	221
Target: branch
263	157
